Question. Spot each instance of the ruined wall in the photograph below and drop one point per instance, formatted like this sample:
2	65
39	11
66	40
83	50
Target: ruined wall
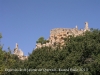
57	35
19	53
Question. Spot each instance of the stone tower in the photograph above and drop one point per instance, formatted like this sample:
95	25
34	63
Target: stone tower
19	53
86	27
16	46
76	27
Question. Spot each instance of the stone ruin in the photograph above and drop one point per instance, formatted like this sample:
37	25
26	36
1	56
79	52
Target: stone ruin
57	34
19	53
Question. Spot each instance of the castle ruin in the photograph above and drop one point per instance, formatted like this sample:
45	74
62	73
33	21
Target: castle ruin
57	34
19	53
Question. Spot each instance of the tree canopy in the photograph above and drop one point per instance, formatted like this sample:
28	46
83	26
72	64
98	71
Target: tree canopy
79	56
41	40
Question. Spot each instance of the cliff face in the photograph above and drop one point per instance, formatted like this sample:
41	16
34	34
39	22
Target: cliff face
57	34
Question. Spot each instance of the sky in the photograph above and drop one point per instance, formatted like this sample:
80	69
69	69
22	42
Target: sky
24	21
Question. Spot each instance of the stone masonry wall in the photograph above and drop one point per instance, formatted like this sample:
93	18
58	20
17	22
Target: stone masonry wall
57	34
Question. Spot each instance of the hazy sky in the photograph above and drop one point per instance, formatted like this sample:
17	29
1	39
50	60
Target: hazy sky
24	21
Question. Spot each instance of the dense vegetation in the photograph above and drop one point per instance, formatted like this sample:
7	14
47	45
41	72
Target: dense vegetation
79	56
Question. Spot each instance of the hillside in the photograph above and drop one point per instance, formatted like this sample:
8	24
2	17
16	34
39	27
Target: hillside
79	56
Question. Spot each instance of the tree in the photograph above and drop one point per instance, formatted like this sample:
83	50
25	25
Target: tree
0	40
0	37
41	40
81	52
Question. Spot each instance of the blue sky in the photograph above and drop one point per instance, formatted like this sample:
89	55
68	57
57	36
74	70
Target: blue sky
24	21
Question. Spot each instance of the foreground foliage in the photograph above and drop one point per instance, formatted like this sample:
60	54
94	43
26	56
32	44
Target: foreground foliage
79	56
